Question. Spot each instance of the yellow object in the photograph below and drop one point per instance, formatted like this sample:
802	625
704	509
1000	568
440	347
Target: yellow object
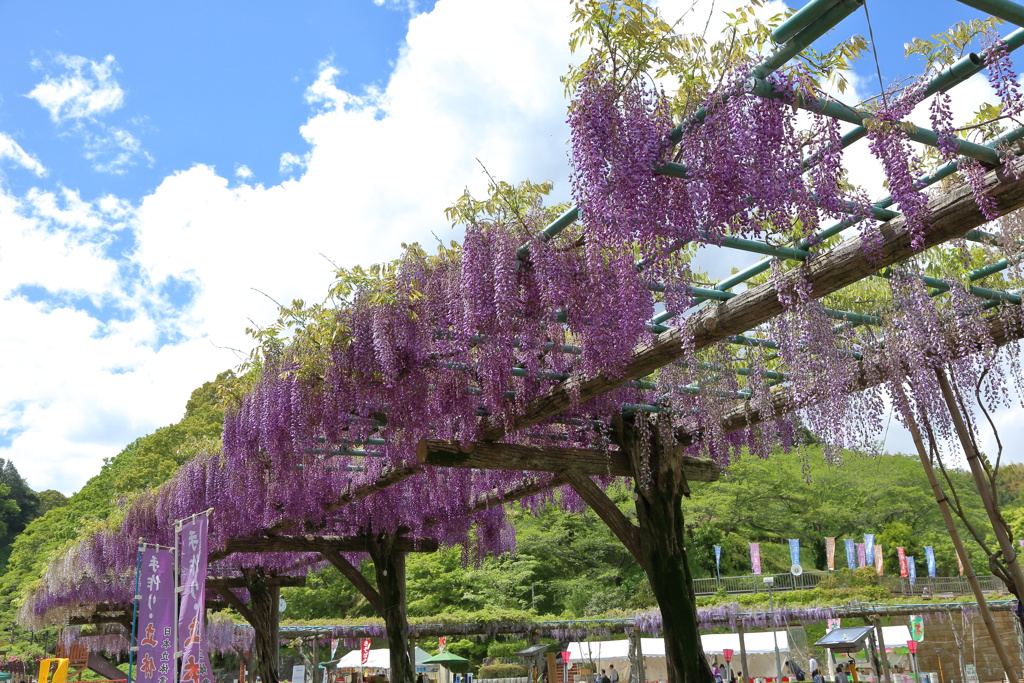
59	676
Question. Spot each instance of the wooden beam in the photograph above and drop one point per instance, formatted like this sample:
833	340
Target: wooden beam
320	544
239	606
239	582
507	456
356	578
609	512
953	214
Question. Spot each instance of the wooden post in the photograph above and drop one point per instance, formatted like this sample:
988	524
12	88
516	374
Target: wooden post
886	672
743	651
389	566
954	535
316	658
636	658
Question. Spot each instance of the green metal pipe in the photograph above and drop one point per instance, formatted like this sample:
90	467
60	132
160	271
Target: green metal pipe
964	68
816	29
837	110
803	18
557	226
1003	9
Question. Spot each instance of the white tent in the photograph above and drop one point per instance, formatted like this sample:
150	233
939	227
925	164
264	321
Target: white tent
760	653
378	659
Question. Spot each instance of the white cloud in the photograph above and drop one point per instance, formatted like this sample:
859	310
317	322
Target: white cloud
378	168
11	150
242	171
83	90
77	96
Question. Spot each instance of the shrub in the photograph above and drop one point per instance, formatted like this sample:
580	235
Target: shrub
502	671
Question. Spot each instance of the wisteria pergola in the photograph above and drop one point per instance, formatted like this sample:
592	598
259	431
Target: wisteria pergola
415	430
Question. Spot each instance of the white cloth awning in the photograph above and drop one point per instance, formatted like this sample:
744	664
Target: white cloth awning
378	659
756	643
896	636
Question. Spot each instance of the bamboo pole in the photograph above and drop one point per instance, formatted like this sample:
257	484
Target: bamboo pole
981	480
958	544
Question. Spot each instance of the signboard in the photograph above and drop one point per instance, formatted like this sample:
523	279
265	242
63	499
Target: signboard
299	673
971	673
833	624
155	630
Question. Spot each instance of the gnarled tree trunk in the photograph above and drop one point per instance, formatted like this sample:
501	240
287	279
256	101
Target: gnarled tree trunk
266	618
389	565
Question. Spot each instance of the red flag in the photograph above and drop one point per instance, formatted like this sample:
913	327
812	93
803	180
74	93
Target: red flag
902	554
364	650
442	642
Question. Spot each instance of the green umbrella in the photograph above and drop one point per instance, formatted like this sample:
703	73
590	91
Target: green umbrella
4	676
450	661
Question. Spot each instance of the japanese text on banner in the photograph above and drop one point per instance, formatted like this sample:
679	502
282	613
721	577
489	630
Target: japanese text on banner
155	634
195	661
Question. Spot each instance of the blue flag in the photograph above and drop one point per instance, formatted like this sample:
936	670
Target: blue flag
851	554
718	559
794	550
912	569
929	556
869	549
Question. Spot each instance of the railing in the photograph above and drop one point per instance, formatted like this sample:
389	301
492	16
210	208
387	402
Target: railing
738	585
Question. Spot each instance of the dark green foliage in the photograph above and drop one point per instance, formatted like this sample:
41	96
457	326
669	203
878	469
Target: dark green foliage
502	671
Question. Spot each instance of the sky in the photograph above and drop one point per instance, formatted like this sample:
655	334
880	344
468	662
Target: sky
168	171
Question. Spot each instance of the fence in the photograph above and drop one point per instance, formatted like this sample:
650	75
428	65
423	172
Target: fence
738	585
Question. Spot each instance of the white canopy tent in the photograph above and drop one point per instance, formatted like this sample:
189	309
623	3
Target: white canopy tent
378	659
760	653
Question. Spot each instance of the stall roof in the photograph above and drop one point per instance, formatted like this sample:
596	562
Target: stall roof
532	651
846	639
378	659
756	643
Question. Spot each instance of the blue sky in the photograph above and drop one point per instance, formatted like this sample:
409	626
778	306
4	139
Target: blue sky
165	169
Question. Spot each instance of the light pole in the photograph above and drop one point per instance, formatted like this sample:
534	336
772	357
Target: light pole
912	646
769	582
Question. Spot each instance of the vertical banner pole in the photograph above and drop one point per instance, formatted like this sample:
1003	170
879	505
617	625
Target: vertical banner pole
135	610
177	601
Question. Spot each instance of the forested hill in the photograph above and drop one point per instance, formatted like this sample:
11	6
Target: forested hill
566	564
143	464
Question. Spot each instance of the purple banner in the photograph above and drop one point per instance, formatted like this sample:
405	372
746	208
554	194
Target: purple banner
851	554
155	628
862	557
195	662
755	557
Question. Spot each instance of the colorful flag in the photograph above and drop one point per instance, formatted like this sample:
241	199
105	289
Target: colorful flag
929	557
869	550
755	558
794	550
718	559
334	646
191	542
364	651
155	629
833	624
830	553
902	555
879	560
441	642
862	557
851	554
912	570
917	627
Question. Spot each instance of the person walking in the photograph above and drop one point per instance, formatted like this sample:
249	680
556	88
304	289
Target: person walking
613	675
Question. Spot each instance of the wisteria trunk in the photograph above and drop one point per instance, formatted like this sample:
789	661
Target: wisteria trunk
389	565
263	603
659	484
